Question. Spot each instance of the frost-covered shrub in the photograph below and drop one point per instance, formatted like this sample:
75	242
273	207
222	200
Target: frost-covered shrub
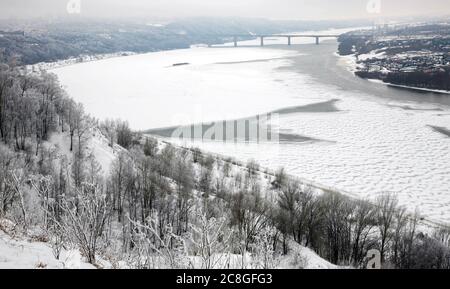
264	255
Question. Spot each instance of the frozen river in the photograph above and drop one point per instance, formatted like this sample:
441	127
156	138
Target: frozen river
375	139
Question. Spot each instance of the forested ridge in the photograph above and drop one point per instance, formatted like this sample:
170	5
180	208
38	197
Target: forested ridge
31	42
160	206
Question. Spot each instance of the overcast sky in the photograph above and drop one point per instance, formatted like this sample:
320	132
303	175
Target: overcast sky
276	9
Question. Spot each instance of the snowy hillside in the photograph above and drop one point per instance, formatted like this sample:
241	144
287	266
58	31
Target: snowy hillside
34	249
97	145
26	253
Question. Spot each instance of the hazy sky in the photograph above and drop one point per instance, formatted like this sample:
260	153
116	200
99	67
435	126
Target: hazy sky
277	9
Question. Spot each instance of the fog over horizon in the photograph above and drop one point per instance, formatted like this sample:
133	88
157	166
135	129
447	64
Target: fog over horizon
273	9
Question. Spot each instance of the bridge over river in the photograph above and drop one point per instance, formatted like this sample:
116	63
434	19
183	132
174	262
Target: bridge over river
241	37
289	37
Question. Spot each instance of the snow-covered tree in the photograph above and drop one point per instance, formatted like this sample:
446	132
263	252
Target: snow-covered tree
156	247
83	219
210	238
264	256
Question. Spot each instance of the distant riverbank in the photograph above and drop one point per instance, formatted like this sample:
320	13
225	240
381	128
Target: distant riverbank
352	67
412	59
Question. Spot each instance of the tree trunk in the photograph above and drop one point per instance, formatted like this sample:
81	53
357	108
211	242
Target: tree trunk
71	140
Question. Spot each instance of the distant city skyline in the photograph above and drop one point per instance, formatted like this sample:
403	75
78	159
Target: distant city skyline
274	9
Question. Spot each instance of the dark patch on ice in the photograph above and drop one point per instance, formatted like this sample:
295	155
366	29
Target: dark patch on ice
284	136
327	106
442	130
294	138
251	61
407	107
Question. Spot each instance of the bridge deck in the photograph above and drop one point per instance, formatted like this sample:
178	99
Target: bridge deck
279	35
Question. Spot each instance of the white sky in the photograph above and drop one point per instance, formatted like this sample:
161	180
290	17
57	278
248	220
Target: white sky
276	9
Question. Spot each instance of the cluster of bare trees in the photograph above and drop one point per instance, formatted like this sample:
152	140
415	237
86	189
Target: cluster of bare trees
117	131
339	229
32	107
343	230
37	185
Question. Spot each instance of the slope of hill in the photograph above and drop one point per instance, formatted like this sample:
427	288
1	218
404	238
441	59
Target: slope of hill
33	249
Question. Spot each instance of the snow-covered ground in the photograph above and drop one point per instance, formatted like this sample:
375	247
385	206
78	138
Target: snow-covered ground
97	145
370	146
304	258
24	252
19	252
299	257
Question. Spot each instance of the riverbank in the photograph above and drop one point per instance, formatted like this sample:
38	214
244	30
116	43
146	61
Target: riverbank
352	66
45	66
425	225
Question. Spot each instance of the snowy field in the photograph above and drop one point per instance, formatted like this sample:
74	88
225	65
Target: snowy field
368	146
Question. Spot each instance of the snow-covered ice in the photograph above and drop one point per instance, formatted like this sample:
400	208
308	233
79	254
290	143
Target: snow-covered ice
372	145
149	92
371	149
